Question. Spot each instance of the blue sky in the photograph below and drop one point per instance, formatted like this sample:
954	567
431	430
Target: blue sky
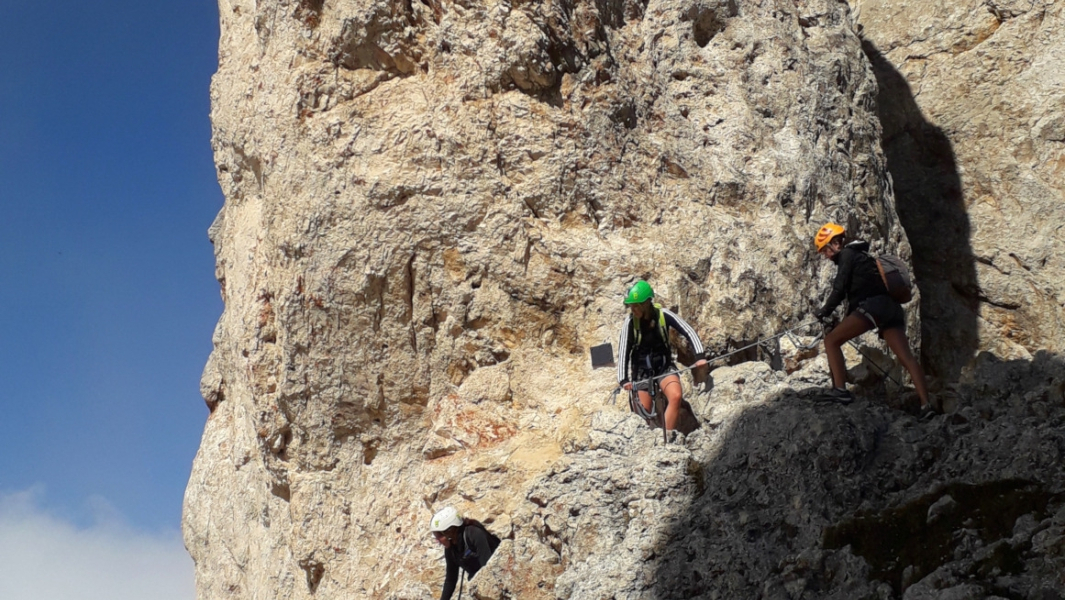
107	290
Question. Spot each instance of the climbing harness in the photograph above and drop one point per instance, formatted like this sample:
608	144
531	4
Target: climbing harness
654	417
635	404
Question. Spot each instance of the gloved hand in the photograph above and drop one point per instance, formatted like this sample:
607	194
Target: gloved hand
827	319
823	316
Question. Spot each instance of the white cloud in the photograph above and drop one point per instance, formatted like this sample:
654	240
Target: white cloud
45	557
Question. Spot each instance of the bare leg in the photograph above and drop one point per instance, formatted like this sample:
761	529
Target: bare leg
645	400
674	393
896	340
850	328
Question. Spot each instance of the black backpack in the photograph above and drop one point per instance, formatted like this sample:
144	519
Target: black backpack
493	539
896	276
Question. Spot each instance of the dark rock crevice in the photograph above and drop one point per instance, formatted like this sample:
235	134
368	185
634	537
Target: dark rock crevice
931	208
908	542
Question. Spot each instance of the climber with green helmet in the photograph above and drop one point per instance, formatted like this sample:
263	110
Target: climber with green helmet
644	351
467	544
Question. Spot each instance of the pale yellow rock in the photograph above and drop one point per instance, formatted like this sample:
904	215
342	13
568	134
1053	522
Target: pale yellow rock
434	208
972	101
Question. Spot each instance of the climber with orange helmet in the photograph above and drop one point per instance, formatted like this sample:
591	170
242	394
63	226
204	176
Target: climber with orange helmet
868	306
644	351
466	543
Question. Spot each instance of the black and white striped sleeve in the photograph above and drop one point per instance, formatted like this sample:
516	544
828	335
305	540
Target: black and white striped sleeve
623	350
674	321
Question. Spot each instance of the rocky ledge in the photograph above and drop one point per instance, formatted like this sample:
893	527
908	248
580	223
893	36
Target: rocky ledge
779	496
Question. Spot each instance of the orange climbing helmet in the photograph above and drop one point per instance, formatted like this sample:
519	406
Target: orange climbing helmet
825	235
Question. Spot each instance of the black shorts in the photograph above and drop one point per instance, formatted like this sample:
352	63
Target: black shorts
882	312
646	367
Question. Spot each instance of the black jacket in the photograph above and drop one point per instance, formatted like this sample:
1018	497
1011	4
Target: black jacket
857	278
651	340
471	552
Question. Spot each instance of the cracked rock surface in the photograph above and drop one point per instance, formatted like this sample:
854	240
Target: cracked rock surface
433	209
972	102
789	498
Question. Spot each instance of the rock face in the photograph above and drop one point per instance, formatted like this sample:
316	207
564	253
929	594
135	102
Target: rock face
433	209
972	101
778	497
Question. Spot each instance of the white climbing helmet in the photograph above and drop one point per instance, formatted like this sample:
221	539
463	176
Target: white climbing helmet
447	518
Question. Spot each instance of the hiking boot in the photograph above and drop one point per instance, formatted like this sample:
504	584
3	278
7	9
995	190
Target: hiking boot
835	394
927	412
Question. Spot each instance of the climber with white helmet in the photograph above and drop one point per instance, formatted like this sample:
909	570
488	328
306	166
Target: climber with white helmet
869	305
466	543
644	351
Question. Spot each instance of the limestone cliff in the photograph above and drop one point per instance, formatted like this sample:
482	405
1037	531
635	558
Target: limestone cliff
433	209
972	101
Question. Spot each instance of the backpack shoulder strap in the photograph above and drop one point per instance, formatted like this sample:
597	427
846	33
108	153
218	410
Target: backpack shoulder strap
663	329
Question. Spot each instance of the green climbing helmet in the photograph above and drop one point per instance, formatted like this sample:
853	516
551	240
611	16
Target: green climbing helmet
639	293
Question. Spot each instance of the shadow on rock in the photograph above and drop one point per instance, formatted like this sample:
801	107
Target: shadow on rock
802	500
931	208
